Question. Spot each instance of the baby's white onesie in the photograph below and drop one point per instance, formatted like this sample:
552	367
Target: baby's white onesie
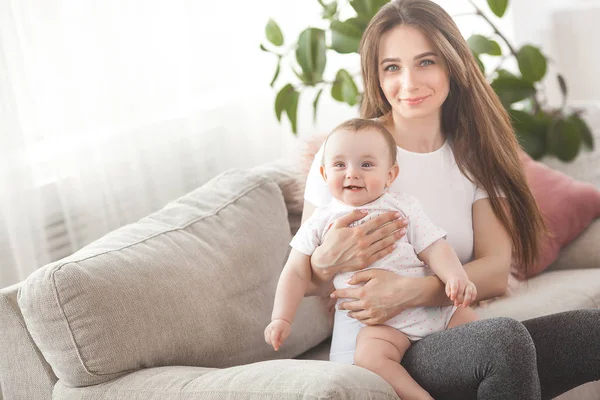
416	323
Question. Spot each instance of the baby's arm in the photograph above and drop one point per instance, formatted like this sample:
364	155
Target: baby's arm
442	259
291	287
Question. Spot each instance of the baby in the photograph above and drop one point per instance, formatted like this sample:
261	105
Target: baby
359	164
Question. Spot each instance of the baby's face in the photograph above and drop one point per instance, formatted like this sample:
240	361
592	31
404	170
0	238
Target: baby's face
357	166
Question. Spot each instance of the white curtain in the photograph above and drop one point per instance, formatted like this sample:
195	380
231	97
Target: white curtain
108	110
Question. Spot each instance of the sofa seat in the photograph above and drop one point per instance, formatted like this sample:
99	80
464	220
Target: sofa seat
548	293
278	379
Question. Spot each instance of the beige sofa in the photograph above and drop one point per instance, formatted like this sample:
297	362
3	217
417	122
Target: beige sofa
174	306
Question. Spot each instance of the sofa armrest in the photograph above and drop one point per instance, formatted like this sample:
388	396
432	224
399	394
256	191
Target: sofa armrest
24	373
582	252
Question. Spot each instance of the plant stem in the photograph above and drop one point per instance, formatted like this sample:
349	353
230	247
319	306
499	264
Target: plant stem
496	31
504	57
512	50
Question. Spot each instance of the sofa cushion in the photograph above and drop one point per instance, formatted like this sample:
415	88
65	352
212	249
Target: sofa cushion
548	293
568	206
276	380
192	284
582	252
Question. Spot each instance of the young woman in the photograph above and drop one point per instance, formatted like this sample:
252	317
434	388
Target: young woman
458	156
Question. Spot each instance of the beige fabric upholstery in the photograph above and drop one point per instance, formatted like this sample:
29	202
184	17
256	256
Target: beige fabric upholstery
550	292
24	374
192	284
583	252
588	391
274	380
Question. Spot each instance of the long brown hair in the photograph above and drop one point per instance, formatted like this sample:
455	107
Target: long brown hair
483	141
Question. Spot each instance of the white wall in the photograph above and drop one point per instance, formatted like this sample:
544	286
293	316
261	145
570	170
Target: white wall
567	31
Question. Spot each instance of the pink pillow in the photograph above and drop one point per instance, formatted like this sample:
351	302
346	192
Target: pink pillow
568	206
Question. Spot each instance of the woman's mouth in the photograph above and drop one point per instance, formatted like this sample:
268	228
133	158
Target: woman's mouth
413	101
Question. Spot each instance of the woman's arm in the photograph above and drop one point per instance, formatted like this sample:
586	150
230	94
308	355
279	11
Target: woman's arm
385	293
490	267
444	262
351	249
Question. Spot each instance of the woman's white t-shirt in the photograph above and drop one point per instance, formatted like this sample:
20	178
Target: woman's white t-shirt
434	179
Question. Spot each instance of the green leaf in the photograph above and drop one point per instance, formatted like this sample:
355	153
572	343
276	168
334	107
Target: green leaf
291	109
584	131
315	103
336	90
311	56
276	73
299	75
358	23
273	32
532	63
512	89
481	45
329	9
498	7
282	99
502	73
531	132
563	89
563	85
481	66
563	139
263	48
345	36
366	9
344	88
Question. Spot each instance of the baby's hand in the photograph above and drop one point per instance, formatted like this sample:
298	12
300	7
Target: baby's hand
276	332
461	290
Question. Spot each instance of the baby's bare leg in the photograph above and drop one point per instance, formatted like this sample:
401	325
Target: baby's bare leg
379	349
462	316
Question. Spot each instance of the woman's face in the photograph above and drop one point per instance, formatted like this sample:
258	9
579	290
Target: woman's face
412	73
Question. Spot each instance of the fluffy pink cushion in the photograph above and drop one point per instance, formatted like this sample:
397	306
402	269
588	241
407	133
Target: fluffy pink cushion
568	205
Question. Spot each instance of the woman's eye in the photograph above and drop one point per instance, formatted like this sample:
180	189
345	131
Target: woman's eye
427	62
367	165
391	68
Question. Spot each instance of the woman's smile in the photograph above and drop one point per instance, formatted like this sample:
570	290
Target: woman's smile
413	101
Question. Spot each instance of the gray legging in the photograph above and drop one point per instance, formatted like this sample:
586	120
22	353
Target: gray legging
502	358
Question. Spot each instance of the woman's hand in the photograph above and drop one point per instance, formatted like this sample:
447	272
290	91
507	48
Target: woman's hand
351	249
384	295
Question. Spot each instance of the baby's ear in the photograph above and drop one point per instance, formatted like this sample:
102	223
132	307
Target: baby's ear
323	173
392	174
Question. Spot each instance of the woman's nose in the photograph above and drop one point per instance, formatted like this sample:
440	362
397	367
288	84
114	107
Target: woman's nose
408	79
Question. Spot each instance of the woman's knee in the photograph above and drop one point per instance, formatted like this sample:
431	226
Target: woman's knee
506	344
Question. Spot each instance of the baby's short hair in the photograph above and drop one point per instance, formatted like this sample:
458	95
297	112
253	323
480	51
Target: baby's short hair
360	124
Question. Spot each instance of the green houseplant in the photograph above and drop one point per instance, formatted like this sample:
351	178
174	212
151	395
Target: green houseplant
541	130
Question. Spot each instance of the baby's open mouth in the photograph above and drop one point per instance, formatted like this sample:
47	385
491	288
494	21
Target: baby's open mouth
353	188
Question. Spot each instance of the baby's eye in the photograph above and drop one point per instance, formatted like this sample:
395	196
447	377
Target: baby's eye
426	63
367	164
338	164
392	68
